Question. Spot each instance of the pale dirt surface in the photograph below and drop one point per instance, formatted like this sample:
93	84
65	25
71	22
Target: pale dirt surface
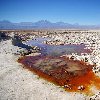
17	83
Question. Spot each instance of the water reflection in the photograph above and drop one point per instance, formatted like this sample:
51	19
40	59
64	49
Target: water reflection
57	50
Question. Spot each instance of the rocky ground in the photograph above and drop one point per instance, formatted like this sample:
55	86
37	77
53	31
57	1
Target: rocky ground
90	39
17	83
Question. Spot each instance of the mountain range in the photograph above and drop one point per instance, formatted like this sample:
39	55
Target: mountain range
44	24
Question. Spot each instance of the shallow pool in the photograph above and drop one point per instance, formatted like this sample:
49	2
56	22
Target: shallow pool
57	50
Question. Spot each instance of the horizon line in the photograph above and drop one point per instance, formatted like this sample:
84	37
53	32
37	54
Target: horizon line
48	21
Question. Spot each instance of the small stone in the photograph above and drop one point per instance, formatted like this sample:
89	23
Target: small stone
81	87
68	86
72	57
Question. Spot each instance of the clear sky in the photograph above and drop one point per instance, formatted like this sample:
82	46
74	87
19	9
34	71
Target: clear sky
70	11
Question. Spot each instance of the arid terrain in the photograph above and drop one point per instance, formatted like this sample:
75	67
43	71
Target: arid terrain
50	64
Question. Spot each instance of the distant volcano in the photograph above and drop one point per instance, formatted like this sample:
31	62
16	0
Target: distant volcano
44	24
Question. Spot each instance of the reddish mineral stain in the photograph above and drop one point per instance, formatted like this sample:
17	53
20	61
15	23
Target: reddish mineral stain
72	75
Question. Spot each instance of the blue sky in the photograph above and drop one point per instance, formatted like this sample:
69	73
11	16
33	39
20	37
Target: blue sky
70	11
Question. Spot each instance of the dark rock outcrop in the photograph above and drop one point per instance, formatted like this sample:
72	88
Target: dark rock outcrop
4	36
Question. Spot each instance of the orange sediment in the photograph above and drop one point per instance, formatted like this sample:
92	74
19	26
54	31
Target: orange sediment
72	75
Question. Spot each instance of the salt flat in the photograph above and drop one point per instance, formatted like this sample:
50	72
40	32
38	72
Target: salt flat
17	83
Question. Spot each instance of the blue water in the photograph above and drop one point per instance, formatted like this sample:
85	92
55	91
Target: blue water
56	50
